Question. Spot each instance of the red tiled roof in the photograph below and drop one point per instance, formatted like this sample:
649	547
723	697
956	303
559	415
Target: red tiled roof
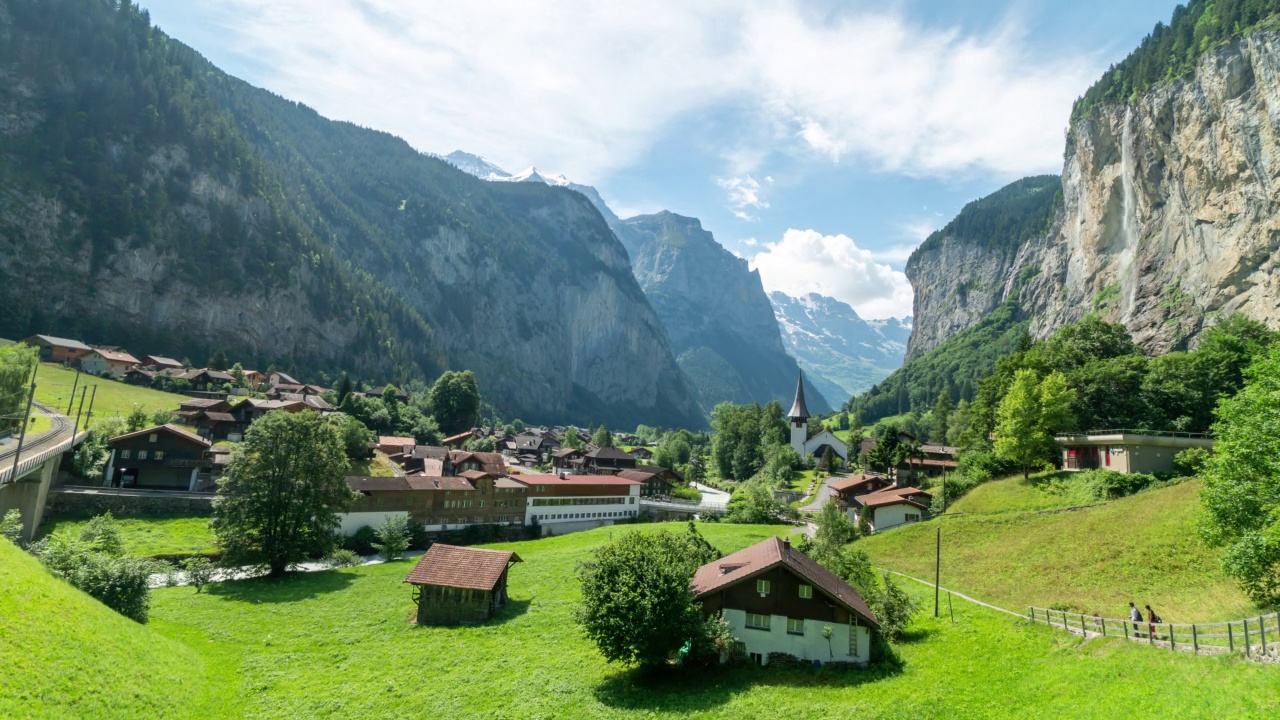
574	480
749	562
457	438
461	567
854	481
116	356
891	496
174	429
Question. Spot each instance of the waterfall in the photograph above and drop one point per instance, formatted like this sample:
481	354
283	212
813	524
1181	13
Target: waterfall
1128	222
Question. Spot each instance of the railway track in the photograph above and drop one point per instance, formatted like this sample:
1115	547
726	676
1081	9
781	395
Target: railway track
61	428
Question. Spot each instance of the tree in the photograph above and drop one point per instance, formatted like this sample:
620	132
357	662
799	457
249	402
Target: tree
1241	492
828	460
199	571
163	417
942	410
893	607
343	389
278	501
237	376
137	419
16	364
120	583
393	537
354	435
218	361
571	439
636	602
102	533
834	531
602	438
455	401
1029	415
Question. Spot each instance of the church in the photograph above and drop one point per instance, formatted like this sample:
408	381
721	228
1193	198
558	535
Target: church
809	447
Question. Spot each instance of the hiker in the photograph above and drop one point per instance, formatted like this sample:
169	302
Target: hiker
1153	619
1135	615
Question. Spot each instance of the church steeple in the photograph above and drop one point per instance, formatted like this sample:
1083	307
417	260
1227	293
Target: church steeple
798	409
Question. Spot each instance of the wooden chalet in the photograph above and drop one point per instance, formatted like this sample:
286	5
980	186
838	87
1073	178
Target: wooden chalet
164	457
657	481
891	507
159	362
459	585
607	461
58	350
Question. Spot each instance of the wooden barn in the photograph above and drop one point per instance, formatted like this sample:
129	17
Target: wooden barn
458	585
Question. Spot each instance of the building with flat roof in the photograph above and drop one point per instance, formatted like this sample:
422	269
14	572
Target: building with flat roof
1127	451
569	503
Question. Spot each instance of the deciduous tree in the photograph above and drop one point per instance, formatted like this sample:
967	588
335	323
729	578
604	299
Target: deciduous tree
1029	415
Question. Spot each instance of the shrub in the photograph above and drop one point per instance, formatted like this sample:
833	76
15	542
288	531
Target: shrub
199	571
893	607
11	527
1190	461
343	558
120	583
361	541
393	537
686	493
102	533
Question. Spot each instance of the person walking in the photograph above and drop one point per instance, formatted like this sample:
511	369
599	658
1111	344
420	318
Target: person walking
1135	615
1152	620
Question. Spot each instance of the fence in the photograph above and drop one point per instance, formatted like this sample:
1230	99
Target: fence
1257	638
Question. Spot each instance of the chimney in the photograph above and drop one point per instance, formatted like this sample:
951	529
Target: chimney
786	547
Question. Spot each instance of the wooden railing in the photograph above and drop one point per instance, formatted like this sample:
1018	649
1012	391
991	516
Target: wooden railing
1255	637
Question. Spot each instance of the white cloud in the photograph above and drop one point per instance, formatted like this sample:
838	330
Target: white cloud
806	261
745	195
588	87
920	230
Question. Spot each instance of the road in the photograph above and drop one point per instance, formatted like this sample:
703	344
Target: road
824	493
711	497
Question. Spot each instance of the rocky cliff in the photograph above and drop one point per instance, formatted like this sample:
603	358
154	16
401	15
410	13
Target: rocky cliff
150	200
1170	215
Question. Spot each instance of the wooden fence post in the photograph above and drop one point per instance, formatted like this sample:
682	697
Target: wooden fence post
1231	641
1246	637
1126	631
1083	632
1195	639
1151	633
1104	626
1262	631
1033	614
1171	646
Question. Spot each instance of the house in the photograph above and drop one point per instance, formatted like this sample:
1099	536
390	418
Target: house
607	461
891	507
289	390
206	379
56	349
457	441
164	457
1127	452
807	447
658	481
392	445
141	376
536	444
442	502
376	392
454	585
159	362
935	459
642	453
778	600
107	362
564	504
276	378
848	489
567	461
253	378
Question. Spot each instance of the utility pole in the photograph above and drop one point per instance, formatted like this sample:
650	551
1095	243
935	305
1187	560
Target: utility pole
74	383
937	570
88	416
83	391
22	434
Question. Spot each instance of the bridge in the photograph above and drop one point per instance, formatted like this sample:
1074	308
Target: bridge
27	474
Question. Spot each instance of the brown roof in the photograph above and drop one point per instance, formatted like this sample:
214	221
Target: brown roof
174	429
393	440
363	483
200	402
491	463
219	416
645	473
891	496
461	567
939	449
162	361
475	474
429	482
574	480
854	481
565	452
506	482
749	562
115	356
457	438
611	453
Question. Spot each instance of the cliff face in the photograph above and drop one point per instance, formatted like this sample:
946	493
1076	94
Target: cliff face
715	310
1170	216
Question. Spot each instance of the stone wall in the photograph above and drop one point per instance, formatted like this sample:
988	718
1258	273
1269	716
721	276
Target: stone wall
87	503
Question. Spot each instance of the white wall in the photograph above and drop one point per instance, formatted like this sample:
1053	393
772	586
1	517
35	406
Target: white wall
353	521
889	516
810	646
627	506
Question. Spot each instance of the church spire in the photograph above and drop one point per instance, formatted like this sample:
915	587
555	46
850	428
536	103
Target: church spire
798	409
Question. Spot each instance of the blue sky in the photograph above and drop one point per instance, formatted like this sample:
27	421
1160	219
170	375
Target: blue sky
820	140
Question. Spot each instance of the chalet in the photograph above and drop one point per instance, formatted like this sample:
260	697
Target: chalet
567	461
658	481
607	461
1127	451
455	585
158	362
848	489
206	379
778	600
563	504
141	376
891	507
392	445
107	362
934	460
254	378
165	457
290	391
276	378
538	445
641	453
188	410
438	502
58	350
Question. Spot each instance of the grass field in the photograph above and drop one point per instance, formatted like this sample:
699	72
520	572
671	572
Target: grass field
150	536
1043	491
1095	560
64	655
377	466
340	644
54	383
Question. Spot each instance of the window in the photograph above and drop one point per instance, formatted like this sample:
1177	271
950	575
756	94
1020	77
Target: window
758	622
159	454
911	517
126	454
795	626
151	437
142	454
757	658
806	592
762	587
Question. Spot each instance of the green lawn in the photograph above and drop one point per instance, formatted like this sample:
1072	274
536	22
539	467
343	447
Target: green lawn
54	383
152	535
378	466
1043	491
1095	560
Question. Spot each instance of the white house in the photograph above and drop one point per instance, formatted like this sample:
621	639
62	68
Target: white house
569	503
805	446
891	507
777	599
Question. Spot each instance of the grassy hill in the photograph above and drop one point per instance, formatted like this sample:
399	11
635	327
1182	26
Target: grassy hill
1142	548
151	535
65	655
54	384
340	643
1044	491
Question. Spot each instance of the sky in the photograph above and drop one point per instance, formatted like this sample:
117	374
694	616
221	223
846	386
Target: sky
819	140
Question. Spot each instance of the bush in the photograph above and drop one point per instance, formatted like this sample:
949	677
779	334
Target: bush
11	527
393	537
893	607
361	541
344	558
686	493
120	583
199	571
102	533
1190	461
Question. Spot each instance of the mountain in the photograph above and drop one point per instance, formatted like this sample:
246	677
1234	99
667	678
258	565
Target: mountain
153	201
831	342
711	303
